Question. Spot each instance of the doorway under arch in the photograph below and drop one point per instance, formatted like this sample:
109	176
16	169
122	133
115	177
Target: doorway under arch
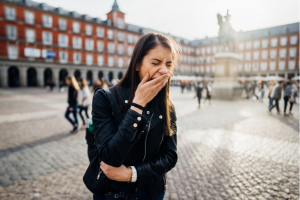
47	76
89	77
77	74
31	77
13	77
110	76
63	73
100	75
120	75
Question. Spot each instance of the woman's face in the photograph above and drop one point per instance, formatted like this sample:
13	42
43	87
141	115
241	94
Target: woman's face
157	62
80	83
67	81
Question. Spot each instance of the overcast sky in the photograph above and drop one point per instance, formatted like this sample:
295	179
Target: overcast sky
191	19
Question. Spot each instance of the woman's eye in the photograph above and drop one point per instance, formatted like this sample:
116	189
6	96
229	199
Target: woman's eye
169	65
155	63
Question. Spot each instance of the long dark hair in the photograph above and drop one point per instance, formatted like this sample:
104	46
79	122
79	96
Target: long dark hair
131	77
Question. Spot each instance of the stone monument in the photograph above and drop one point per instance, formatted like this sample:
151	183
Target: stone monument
226	85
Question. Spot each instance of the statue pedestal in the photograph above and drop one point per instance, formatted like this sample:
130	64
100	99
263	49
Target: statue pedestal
226	84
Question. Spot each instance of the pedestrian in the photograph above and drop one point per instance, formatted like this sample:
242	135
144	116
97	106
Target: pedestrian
248	88
208	93
295	91
72	101
262	91
287	96
277	96
182	85
271	85
97	84
254	85
145	140
85	100
199	89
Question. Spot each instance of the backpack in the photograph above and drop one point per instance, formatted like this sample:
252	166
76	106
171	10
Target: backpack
94	179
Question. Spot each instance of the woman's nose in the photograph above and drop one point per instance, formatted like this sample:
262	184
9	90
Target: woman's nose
163	69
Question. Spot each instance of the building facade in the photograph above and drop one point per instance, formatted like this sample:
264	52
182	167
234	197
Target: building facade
39	43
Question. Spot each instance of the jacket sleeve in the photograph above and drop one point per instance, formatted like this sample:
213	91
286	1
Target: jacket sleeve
114	143
149	171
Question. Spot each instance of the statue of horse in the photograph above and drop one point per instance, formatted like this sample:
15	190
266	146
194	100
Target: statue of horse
227	34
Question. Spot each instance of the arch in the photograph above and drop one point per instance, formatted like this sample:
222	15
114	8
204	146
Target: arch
13	77
89	77
77	74
110	76
31	77
120	75
47	75
100	75
63	73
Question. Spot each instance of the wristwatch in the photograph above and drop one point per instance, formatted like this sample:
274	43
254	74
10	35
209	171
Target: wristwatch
133	174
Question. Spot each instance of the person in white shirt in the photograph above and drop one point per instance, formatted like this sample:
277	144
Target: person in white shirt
85	100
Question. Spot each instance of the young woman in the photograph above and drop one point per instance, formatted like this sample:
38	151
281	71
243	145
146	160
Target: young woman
85	100
72	100
138	153
286	96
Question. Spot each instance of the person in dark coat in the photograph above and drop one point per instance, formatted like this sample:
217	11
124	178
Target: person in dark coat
199	89
277	97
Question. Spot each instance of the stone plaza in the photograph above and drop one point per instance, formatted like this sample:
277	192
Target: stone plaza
226	150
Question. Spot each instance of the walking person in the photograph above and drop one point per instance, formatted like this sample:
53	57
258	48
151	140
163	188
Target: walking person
295	91
208	93
262	90
72	101
287	96
85	100
199	89
277	96
271	84
137	154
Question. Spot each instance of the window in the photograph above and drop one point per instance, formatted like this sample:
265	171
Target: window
88	30
129	38
263	66
214	49
110	61
120	36
100	32
283	41
10	13
207	69
29	17
120	62
30	35
256	55
249	45
208	50
292	64
241	56
63	40
264	54
255	66
111	47
89	44
213	68
273	53
274	42
272	65
129	50
293	39
241	46
256	44
63	57
47	38
62	24
265	43
248	56
136	38
120	23
281	65
292	52
100	60
202	51
202	69
198	51
11	32
89	59
120	49
77	42
247	67
240	67
110	34
77	58
76	27
282	53
100	46
208	59
12	52
47	21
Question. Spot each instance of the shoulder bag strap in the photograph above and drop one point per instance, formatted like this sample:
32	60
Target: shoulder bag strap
114	106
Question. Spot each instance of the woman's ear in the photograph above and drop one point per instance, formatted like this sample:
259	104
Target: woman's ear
138	67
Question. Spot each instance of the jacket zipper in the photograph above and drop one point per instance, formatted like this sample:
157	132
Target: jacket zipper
165	185
147	137
160	142
99	174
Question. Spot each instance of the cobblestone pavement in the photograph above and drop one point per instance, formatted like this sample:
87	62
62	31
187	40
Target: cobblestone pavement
227	150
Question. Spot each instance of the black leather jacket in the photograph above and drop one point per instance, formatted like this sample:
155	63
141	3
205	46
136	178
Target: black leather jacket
146	146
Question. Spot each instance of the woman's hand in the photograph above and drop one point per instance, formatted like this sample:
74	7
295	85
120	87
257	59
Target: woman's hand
121	174
146	91
70	109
